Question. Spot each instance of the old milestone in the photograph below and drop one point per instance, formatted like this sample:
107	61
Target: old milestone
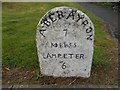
65	40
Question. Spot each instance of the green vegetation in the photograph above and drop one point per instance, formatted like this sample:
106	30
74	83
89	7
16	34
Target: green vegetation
19	22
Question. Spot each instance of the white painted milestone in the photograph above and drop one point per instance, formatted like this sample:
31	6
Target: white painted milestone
65	38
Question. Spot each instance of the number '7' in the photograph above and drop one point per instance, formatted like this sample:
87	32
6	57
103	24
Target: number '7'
65	31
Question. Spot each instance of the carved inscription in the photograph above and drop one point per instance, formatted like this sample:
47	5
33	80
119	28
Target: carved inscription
50	18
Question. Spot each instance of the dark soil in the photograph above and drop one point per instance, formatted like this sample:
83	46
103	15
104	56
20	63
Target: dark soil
101	75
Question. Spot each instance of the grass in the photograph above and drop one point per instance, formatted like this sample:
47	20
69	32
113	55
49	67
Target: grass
19	21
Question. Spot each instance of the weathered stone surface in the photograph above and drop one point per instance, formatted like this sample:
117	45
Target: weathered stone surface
65	39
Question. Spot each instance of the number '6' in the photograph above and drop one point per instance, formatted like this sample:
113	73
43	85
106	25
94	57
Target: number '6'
63	66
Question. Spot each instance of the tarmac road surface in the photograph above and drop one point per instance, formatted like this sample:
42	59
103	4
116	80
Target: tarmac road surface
107	14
